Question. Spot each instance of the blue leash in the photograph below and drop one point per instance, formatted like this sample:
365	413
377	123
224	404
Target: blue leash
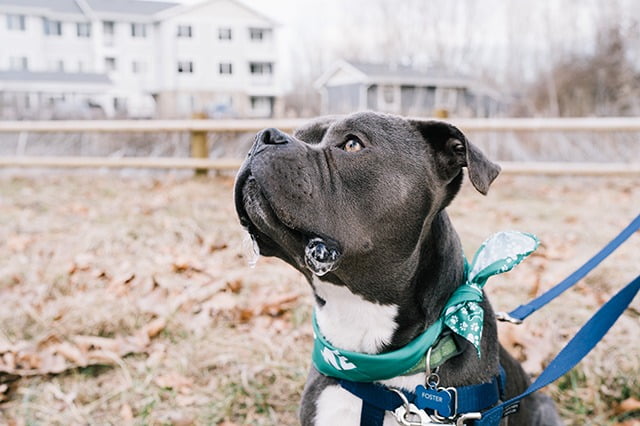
586	338
523	311
581	344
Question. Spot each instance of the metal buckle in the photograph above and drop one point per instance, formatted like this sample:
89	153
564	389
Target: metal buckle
505	317
407	409
402	413
460	421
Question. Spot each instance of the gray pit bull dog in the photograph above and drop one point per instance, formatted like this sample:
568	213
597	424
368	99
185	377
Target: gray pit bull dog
357	205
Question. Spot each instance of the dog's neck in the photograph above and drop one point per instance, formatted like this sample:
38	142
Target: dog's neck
351	322
439	271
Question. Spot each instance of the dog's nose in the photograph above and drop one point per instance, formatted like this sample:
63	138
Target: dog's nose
272	136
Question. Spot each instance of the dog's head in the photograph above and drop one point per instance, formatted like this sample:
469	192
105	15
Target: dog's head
356	191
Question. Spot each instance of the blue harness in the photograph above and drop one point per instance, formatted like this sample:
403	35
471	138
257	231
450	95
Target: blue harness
376	399
479	404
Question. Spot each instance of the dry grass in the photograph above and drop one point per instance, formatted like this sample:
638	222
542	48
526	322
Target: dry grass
107	256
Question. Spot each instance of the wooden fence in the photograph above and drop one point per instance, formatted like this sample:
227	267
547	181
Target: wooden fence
200	162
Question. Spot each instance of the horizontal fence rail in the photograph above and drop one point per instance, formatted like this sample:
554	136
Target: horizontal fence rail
609	124
198	129
512	168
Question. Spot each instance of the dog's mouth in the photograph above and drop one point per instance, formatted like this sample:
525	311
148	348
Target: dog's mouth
275	237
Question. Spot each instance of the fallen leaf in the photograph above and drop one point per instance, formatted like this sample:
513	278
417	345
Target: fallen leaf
627	406
223	301
126	413
154	327
530	349
52	355
4	391
18	243
217	247
81	262
72	354
88	343
8	361
176	418
31	360
246	315
630	422
186	265
175	381
278	306
235	286
49	364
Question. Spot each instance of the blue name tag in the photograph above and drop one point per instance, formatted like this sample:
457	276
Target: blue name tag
433	399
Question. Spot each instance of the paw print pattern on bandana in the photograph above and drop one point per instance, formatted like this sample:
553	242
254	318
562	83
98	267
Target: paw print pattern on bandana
498	254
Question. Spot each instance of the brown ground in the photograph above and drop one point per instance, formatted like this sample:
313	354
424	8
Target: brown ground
129	300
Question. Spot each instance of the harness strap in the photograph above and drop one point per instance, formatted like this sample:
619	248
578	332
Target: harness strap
377	398
523	311
581	344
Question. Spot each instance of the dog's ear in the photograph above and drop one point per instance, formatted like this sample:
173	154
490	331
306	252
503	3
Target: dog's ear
454	151
313	131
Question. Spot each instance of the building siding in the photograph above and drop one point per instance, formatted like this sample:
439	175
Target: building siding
146	68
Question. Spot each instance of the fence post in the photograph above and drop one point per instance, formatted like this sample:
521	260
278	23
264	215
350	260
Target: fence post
199	146
441	113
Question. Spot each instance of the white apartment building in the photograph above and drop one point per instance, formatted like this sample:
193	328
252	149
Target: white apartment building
136	58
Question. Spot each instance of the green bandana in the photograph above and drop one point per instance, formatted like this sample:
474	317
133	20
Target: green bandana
498	254
462	314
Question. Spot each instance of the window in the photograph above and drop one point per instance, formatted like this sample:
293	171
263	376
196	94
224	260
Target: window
261	68
18	63
262	105
226	68
224	34
446	98
388	94
16	22
138	67
109	64
185	31
84	29
259	34
108	28
138	30
52	28
185	67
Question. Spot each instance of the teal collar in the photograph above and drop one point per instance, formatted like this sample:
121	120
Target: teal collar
462	314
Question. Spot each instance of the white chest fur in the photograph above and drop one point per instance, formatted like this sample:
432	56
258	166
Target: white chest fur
337	406
352	323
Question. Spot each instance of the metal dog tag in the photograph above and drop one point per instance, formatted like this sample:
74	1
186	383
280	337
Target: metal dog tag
438	399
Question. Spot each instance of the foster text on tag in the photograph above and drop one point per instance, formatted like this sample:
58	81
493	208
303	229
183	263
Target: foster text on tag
433	399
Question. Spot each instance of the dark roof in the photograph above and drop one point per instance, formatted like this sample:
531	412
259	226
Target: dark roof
60	6
135	7
58	77
128	7
383	71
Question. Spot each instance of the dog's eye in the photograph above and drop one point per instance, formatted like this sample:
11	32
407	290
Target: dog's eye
353	144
